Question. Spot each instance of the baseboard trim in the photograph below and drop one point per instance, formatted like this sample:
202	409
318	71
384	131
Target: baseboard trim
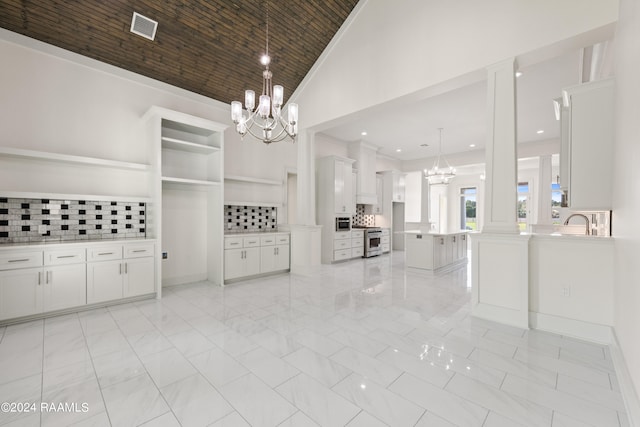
184	280
593	332
628	391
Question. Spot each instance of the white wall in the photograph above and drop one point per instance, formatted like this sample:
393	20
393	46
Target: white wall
431	43
626	188
413	197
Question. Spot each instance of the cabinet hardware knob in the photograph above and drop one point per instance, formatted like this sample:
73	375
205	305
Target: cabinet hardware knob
19	260
120	269
105	253
39	278
126	268
66	256
139	250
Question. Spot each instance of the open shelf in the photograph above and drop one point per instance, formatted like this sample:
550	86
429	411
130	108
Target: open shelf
185	181
178	144
251	180
66	158
73	196
245	203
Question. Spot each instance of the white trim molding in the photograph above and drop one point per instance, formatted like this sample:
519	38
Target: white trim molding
628	391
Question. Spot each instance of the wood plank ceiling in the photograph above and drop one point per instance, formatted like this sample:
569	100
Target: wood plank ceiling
211	47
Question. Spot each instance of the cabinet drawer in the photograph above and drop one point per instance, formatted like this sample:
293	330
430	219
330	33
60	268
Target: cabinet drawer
385	231
250	242
357	234
139	250
232	242
267	240
342	235
355	243
282	239
357	252
104	253
341	244
64	256
385	247
11	260
341	254
384	239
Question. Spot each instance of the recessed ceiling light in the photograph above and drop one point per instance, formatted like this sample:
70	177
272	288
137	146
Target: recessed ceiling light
518	73
472	145
398	150
364	133
540	131
424	145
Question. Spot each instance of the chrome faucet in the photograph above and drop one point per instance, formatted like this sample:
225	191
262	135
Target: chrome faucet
585	218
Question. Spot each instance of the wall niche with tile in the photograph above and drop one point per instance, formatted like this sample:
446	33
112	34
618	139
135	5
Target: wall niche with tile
26	220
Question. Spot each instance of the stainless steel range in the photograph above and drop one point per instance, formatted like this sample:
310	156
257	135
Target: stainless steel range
372	241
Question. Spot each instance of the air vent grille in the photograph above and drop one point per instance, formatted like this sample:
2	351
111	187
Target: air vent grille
143	26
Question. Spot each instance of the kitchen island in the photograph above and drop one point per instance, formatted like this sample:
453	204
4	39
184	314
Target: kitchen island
435	251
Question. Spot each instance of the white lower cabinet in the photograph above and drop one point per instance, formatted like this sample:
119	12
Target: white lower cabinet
249	256
64	286
434	251
104	281
64	276
20	292
117	277
138	277
241	262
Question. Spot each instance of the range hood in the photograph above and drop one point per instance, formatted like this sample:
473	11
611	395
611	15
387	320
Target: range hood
365	156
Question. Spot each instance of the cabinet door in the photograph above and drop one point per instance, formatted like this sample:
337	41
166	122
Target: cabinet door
377	209
282	257
268	259
20	292
398	187
354	186
252	261
339	181
65	286
104	281
233	263
440	252
138	277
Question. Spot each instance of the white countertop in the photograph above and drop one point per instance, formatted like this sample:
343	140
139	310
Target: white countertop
430	233
576	237
253	234
66	243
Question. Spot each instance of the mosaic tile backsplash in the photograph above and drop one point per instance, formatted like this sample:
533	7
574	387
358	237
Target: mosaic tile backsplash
361	219
44	220
250	219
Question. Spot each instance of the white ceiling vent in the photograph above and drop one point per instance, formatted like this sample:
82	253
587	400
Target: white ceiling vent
143	26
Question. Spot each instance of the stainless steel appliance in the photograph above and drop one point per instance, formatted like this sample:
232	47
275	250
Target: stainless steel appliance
343	223
372	241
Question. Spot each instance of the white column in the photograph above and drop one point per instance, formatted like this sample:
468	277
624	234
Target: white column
425	203
500	255
544	190
501	187
305	234
306	210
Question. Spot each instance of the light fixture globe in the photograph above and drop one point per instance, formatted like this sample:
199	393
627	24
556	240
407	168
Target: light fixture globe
439	175
265	122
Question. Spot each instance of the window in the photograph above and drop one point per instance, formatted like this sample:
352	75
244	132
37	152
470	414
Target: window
468	205
556	202
523	203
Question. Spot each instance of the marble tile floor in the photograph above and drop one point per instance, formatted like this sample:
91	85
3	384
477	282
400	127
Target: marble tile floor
363	343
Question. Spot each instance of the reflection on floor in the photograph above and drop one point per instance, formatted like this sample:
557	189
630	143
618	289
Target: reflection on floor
364	343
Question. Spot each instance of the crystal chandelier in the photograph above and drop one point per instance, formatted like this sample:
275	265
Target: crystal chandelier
438	175
266	122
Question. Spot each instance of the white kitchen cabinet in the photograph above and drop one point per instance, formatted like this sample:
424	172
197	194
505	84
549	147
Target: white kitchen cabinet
435	251
354	184
64	286
246	256
385	240
377	208
138	277
120	271
241	262
586	168
104	281
398	186
335	184
20	292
